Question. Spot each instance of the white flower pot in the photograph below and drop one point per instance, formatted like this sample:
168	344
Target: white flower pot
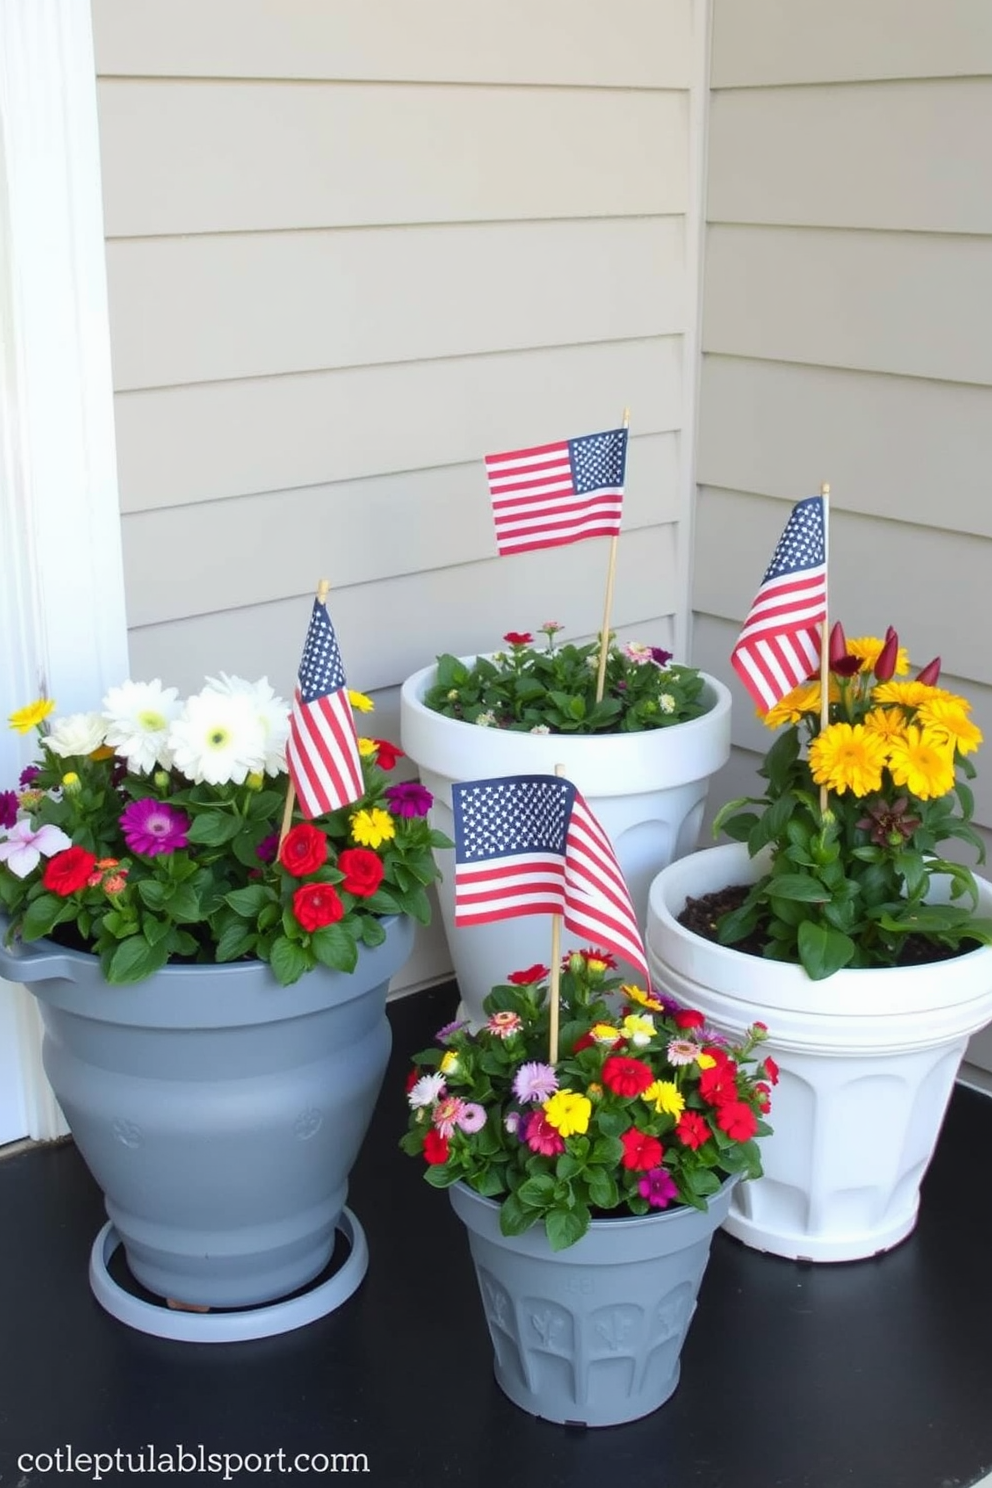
867	1058
647	789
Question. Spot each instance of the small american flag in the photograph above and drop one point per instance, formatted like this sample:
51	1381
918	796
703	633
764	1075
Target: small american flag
779	646
528	844
322	752
558	493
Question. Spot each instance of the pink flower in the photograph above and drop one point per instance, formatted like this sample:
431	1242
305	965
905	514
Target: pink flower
541	1136
447	1114
471	1118
504	1025
658	1187
151	827
23	848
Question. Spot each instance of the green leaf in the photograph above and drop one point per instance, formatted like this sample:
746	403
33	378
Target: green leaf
335	947
603	1191
536	1192
565	1226
214	828
235	941
823	951
373	931
799	886
514	1218
41	916
289	960
250	901
134	959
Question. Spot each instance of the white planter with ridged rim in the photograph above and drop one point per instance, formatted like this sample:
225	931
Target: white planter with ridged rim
867	1059
647	789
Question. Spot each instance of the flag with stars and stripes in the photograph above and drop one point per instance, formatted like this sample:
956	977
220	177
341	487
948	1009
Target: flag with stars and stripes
322	752
779	646
558	493
529	844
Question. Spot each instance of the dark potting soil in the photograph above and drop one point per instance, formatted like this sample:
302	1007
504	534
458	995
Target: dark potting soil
702	916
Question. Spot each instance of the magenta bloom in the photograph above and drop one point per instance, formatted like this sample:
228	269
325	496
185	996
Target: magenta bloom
268	847
152	827
660	657
443	1034
658	1187
409	799
28	774
8	808
541	1136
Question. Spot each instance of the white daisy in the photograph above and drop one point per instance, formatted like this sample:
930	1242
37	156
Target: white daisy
138	715
272	713
218	738
77	734
426	1091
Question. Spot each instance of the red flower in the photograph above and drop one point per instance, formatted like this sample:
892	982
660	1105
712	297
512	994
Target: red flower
719	1084
304	850
316	905
535	973
771	1069
640	1151
692	1129
518	638
68	871
764	1096
626	1076
435	1147
689	1018
362	869
412	1079
736	1118
386	754
606	957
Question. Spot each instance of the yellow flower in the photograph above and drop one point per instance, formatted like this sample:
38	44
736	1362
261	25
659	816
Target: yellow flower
255	781
909	694
924	767
449	1062
802	699
604	1033
889	723
366	747
868	649
360	701
666	1097
28	718
568	1113
638	1028
705	1061
372	827
845	757
945	722
71	783
638	995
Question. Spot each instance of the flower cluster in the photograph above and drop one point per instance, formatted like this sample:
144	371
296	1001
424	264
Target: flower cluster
644	1107
552	688
851	884
148	832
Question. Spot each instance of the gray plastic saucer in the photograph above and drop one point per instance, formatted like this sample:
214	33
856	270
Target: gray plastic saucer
229	1326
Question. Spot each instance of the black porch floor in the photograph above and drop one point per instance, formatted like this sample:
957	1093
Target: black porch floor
875	1374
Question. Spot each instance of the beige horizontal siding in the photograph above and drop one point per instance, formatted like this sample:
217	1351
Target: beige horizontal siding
875	301
192	157
206	308
211	440
898	155
355	532
894	447
645	44
763	42
393	627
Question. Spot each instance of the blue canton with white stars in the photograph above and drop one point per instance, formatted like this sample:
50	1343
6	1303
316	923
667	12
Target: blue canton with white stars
801	545
511	815
598	461
321	669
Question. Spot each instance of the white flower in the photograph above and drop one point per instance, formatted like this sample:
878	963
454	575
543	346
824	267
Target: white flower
218	738
487	719
138	716
23	847
637	652
540	728
77	733
272	713
426	1091
666	703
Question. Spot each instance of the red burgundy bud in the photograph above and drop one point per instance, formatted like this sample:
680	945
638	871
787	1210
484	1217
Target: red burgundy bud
930	674
838	644
887	657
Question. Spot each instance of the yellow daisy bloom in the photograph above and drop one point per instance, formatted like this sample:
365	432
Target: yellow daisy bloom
28	718
666	1097
909	694
638	1028
568	1113
637	994
604	1033
889	723
924	767
372	827
801	700
848	757
360	701
705	1061
366	747
868	649
449	1062
948	724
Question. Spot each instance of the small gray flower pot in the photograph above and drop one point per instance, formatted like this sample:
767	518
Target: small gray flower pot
592	1334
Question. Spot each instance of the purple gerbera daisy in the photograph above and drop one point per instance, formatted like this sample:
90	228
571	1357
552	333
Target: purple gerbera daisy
409	799
8	808
535	1082
152	827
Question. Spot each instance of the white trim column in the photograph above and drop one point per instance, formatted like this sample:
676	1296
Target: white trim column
63	629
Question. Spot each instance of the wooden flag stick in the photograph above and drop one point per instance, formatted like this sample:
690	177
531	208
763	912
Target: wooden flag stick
554	985
611	572
323	589
825	635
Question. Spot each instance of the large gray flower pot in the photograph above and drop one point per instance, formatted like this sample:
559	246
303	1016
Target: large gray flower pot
219	1111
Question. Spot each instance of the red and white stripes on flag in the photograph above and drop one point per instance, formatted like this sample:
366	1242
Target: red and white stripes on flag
322	752
779	645
558	493
529	844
